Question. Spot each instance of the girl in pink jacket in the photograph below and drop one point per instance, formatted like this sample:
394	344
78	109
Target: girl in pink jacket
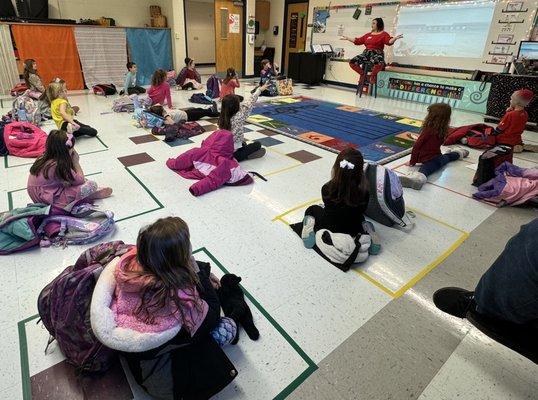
56	178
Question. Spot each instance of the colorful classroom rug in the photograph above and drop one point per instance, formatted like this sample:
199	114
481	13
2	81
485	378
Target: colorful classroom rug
380	137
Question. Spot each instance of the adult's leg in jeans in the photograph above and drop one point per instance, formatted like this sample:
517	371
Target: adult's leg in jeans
509	288
438	162
84	130
242	153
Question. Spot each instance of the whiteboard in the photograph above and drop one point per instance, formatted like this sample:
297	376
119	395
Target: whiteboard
340	22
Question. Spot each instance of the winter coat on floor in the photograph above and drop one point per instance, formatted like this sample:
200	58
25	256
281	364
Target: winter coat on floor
23	139
212	164
478	136
511	186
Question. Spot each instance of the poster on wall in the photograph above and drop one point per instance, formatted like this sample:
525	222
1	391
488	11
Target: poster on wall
320	20
294	25
235	23
508	39
514	6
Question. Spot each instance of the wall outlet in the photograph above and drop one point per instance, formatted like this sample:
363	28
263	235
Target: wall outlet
176	35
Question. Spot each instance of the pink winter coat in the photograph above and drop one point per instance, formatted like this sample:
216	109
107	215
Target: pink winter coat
24	139
127	297
212	164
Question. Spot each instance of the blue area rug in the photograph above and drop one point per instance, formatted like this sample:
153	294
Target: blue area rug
380	137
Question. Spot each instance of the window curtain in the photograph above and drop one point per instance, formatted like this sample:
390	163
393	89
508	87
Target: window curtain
54	49
150	49
103	54
9	76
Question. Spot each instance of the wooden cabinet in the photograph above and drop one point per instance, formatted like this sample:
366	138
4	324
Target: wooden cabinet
263	14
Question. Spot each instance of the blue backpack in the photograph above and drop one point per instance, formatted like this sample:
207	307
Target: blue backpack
213	87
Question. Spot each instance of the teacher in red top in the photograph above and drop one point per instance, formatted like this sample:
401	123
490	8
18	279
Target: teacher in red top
374	42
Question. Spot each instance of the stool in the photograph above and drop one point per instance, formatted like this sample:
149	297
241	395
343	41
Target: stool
365	80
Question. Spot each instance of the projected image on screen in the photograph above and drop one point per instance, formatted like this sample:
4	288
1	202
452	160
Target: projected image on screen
444	30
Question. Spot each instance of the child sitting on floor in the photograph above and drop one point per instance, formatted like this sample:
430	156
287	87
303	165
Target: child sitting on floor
63	113
427	148
181	116
56	178
345	199
513	123
268	77
159	92
233	115
130	86
156	299
189	78
32	79
229	84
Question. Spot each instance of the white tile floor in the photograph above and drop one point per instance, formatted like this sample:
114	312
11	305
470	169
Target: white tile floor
315	304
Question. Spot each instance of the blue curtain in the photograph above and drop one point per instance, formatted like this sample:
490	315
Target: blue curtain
150	49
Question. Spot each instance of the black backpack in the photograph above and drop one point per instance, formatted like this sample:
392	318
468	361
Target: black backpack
104	89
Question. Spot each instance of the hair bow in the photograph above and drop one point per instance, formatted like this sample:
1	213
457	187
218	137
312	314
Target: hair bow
69	141
346	164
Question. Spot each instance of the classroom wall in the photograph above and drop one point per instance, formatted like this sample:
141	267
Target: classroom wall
201	31
125	12
249	48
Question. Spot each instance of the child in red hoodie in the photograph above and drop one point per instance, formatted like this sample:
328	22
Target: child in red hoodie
427	148
513	123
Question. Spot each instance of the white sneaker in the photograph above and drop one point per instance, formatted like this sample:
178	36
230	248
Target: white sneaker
464	153
414	180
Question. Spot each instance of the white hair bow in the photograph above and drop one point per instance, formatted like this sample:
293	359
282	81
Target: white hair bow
346	164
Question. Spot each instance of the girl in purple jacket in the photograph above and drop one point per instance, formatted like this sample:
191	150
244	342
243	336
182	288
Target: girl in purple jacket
56	178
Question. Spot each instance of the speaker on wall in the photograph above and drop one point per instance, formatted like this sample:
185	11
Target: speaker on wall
33	9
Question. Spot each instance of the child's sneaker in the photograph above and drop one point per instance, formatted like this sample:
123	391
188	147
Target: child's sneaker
414	180
308	235
464	153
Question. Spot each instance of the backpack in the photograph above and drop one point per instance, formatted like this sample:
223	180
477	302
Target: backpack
489	160
123	104
19	89
178	131
200	98
213	87
104	89
85	224
30	106
386	204
64	309
284	87
146	119
18	227
23	139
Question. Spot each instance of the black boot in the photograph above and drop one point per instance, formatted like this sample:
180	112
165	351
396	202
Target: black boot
454	301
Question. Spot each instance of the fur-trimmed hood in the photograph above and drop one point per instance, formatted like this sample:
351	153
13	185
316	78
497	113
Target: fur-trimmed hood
105	327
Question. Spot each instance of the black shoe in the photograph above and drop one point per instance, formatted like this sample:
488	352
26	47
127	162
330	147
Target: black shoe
454	301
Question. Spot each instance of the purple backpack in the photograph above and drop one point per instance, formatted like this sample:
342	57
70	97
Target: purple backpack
85	224
64	309
213	87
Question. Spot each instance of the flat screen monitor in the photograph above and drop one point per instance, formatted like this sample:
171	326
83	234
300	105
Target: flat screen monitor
528	49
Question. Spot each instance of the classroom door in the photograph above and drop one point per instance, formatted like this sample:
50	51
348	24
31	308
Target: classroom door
295	29
228	36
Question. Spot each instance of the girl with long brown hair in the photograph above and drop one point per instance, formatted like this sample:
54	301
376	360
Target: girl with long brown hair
32	78
56	178
345	199
157	299
427	148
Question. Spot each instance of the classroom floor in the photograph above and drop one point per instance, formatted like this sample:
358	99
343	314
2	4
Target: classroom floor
371	333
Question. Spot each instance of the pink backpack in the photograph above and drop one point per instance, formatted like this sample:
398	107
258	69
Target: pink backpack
23	139
64	309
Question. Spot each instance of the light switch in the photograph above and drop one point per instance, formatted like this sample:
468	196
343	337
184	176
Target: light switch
177	35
